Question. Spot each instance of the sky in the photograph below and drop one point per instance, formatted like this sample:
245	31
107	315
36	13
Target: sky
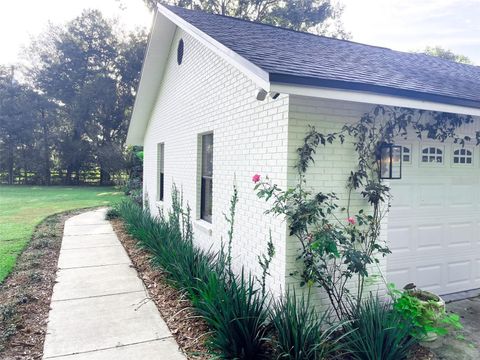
408	25
405	25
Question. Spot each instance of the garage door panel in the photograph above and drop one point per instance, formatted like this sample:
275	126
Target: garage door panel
434	226
400	276
430	276
461	234
459	273
400	239
430	237
429	195
404	197
461	196
477	270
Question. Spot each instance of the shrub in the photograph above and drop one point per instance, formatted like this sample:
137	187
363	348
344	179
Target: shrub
378	333
427	316
238	315
112	213
301	333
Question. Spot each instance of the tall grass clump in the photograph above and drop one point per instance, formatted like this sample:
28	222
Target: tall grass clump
238	314
302	333
376	332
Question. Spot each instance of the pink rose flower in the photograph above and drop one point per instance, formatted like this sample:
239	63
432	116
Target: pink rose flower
351	220
256	178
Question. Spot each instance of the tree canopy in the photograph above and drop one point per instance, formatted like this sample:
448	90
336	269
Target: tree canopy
321	17
447	54
70	115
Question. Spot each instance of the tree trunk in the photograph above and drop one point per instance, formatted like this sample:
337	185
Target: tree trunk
68	176
10	164
105	177
46	152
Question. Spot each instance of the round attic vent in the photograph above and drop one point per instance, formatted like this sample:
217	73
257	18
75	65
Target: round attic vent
180	52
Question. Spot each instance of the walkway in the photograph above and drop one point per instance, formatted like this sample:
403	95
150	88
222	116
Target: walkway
100	309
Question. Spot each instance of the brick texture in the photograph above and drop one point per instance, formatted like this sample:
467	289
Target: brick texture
205	94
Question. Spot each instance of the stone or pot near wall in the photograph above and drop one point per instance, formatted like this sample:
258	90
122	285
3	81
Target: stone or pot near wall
433	304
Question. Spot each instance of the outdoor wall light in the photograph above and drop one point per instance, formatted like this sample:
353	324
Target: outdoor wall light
390	161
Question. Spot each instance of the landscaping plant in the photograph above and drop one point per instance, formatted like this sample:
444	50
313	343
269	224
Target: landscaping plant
426	316
300	332
237	313
377	332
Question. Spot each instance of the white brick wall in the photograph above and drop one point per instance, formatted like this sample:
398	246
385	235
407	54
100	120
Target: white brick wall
333	163
205	94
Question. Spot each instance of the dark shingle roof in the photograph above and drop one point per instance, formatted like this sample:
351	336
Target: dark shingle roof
301	58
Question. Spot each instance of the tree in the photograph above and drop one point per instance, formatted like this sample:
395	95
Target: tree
88	70
316	16
446	54
17	124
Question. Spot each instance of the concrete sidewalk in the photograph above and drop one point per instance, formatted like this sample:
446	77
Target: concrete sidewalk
100	309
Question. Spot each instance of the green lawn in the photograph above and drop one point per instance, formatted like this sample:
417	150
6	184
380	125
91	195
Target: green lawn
23	207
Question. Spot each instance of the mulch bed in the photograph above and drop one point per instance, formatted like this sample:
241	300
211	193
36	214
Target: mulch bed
189	330
25	294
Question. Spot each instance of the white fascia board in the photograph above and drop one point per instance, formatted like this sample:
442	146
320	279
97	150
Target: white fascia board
259	76
371	98
156	56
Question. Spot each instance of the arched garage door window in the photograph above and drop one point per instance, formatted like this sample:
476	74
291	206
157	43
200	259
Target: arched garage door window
432	155
462	156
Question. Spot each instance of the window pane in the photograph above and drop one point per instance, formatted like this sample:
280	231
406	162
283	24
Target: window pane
161	187
396	165
207	155
206	200
160	164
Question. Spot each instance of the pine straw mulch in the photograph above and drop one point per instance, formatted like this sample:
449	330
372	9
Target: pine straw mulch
25	294
189	330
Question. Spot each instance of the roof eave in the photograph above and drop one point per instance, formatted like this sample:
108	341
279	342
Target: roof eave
374	94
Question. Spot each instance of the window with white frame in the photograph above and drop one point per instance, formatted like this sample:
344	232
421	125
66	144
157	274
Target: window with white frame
206	177
432	154
463	156
160	168
406	154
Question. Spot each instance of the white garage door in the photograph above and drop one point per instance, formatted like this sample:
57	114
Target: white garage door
434	221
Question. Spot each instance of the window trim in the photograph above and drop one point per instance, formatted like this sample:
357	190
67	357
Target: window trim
160	172
203	178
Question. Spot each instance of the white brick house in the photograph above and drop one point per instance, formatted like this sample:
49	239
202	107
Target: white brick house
206	74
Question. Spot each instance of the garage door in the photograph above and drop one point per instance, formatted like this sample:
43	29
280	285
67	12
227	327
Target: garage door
434	221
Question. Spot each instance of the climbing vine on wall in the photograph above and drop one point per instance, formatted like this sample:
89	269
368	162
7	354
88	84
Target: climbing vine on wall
337	245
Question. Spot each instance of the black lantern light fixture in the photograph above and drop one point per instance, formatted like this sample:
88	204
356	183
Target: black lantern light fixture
390	161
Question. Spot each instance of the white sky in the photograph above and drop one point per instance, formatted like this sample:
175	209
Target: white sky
398	24
413	24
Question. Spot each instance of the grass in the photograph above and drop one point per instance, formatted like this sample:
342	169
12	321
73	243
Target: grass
22	208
